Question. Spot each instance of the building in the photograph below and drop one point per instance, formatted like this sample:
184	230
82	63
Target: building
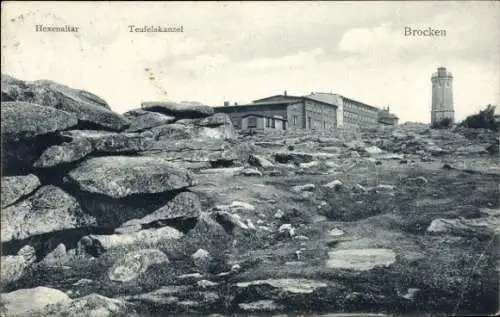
442	96
385	117
316	111
296	112
351	114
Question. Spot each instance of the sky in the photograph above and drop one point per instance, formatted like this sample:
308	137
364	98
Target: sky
245	51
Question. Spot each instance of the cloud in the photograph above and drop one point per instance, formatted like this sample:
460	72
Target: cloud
298	60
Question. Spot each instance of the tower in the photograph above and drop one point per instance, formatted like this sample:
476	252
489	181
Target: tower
442	96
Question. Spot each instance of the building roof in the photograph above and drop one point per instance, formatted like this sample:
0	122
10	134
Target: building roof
262	103
263	116
328	98
293	99
333	99
274	96
386	114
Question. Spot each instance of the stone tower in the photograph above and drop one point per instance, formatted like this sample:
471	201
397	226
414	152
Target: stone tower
442	96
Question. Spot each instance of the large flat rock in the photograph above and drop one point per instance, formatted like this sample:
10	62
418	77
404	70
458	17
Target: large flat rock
141	120
49	209
178	110
24	301
121	176
182	206
23	120
360	259
93	305
148	238
64	153
87	107
291	285
197	152
16	187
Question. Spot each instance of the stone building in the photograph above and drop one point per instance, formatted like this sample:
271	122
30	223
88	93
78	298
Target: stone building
442	96
316	111
385	117
296	112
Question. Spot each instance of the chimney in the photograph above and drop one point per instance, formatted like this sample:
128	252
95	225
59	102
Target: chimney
284	93
226	103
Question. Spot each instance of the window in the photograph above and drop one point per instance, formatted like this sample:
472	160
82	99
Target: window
324	124
309	122
252	122
273	123
294	120
268	122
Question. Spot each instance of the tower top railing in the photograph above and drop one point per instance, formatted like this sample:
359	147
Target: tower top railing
445	74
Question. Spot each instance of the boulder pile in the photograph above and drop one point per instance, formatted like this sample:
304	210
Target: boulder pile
76	172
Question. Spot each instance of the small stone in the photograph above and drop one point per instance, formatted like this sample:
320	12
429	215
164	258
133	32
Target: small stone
56	256
383	188
336	184
236	267
302	188
360	259
242	205
206	283
201	259
250	225
261	305
309	164
83	281
287	228
251	172
359	189
135	263
279	214
336	232
373	150
411	293
260	161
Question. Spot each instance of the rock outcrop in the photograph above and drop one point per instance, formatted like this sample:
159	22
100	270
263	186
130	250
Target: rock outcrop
167	208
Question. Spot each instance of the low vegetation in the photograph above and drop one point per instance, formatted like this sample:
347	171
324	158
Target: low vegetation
485	119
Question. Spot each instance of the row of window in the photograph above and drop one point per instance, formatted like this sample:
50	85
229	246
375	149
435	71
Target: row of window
357	108
438	84
348	116
270	123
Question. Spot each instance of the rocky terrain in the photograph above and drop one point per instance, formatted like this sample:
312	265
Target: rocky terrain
166	211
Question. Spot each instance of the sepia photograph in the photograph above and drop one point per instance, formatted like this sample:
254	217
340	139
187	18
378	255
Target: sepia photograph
229	158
